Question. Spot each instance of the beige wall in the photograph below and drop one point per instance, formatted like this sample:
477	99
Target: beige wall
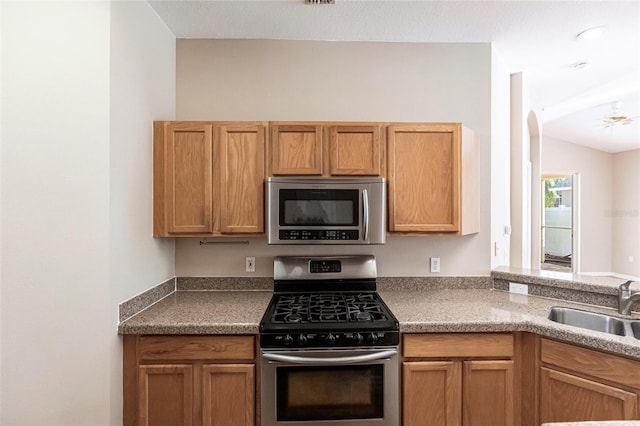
595	170
625	213
291	80
81	83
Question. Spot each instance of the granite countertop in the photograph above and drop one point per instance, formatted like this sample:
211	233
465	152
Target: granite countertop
604	284
201	312
417	310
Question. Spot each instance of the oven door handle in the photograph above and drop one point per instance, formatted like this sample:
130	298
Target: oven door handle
339	360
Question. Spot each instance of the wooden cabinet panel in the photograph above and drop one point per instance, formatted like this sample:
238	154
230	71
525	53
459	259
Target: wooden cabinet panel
427	192
488	393
170	380
431	390
458	345
355	150
228	395
188	177
591	363
166	395
296	149
242	178
462	390
350	149
208	178
568	398
155	348
423	178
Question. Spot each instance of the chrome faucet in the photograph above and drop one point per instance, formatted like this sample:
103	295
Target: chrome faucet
626	298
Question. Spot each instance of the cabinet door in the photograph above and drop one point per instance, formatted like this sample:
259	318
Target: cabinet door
424	181
355	150
296	149
188	171
432	391
242	178
488	393
568	398
228	395
165	395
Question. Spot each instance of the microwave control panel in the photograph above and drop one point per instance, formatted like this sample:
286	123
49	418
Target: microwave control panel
318	234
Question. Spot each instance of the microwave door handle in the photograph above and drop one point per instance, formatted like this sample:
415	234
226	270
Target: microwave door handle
365	214
338	360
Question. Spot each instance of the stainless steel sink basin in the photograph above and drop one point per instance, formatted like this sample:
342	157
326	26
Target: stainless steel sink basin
635	327
589	320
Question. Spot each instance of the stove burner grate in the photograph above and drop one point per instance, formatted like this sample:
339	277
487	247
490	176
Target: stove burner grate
327	308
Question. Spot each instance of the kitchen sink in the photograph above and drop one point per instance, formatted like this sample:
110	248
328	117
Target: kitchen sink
590	321
596	322
635	327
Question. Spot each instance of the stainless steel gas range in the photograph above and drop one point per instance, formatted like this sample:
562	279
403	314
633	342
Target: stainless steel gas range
329	346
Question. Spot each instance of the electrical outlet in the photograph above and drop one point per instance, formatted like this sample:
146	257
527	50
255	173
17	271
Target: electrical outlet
435	264
518	288
250	264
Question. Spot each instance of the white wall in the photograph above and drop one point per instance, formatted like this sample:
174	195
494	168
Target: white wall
520	255
0	205
595	170
55	217
625	213
142	90
341	81
81	83
500	161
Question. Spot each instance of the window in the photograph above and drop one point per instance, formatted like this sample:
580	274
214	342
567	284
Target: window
557	223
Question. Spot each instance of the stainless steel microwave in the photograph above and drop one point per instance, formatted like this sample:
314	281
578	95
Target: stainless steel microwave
326	210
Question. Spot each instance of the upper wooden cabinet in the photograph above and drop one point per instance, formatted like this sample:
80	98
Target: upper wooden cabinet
182	178
241	178
433	172
296	149
355	150
208	178
326	149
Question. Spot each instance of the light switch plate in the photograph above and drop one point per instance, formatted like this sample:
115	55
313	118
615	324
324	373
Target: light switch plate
250	264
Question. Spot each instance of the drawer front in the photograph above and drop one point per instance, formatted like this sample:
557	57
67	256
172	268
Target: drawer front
592	363
468	345
156	348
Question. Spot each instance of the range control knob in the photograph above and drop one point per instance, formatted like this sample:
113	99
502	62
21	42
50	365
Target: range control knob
330	339
302	339
288	340
358	338
372	338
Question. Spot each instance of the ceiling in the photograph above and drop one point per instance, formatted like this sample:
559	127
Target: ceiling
537	38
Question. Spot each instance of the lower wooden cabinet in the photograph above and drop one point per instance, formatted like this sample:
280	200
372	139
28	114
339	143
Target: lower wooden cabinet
497	379
463	389
228	394
189	380
579	384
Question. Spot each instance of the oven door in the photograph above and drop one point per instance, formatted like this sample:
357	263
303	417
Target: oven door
330	387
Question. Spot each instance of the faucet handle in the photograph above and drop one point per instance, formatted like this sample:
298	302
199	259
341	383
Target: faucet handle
624	287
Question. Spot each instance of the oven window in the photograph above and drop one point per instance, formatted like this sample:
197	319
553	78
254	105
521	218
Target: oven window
319	207
330	393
